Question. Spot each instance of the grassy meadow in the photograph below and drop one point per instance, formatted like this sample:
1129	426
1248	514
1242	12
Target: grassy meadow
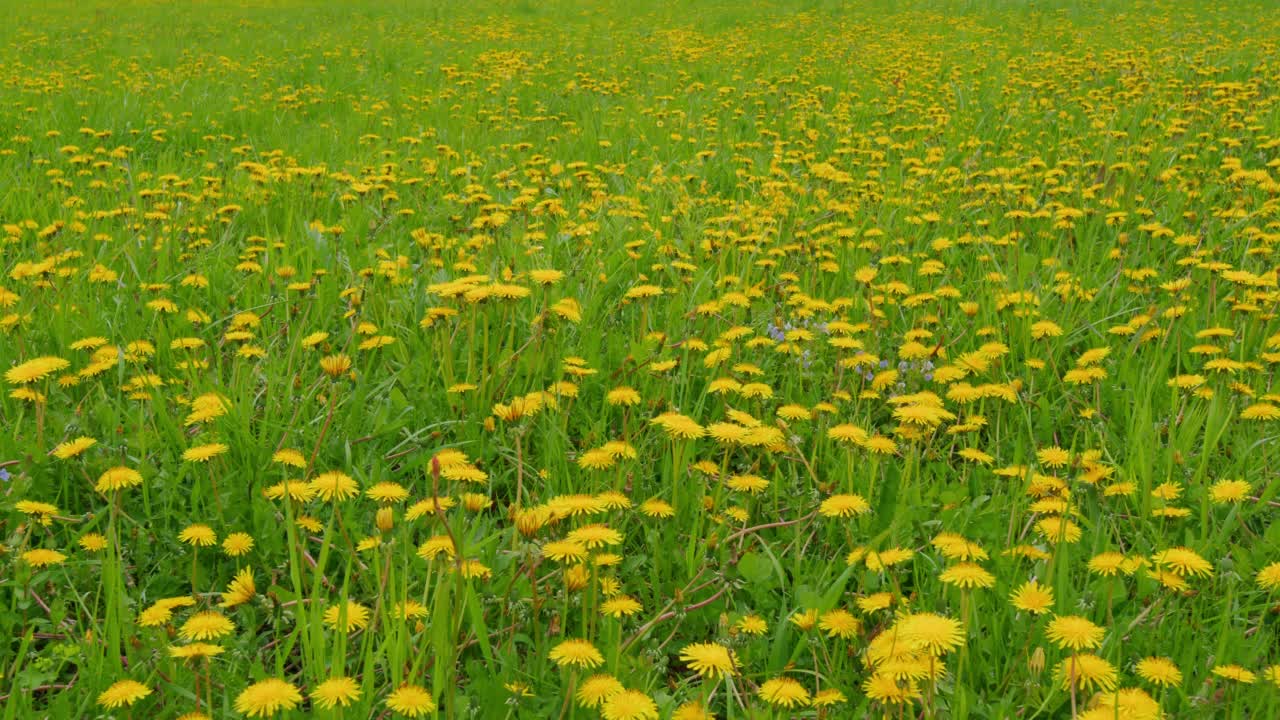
639	360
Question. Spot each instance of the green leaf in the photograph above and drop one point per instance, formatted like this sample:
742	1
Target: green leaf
755	569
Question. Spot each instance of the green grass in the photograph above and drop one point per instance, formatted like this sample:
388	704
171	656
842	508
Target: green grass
824	192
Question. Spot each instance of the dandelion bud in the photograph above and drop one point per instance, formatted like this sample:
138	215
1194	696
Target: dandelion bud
335	365
475	502
575	578
386	519
1035	663
529	522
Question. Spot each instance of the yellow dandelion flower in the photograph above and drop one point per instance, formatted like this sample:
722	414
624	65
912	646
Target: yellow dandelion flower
411	701
268	697
784	692
123	693
339	691
709	659
576	652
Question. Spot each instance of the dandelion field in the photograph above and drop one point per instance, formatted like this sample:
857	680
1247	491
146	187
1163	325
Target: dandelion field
635	361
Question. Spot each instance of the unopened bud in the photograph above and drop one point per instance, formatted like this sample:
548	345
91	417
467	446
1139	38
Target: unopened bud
1035	663
386	519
